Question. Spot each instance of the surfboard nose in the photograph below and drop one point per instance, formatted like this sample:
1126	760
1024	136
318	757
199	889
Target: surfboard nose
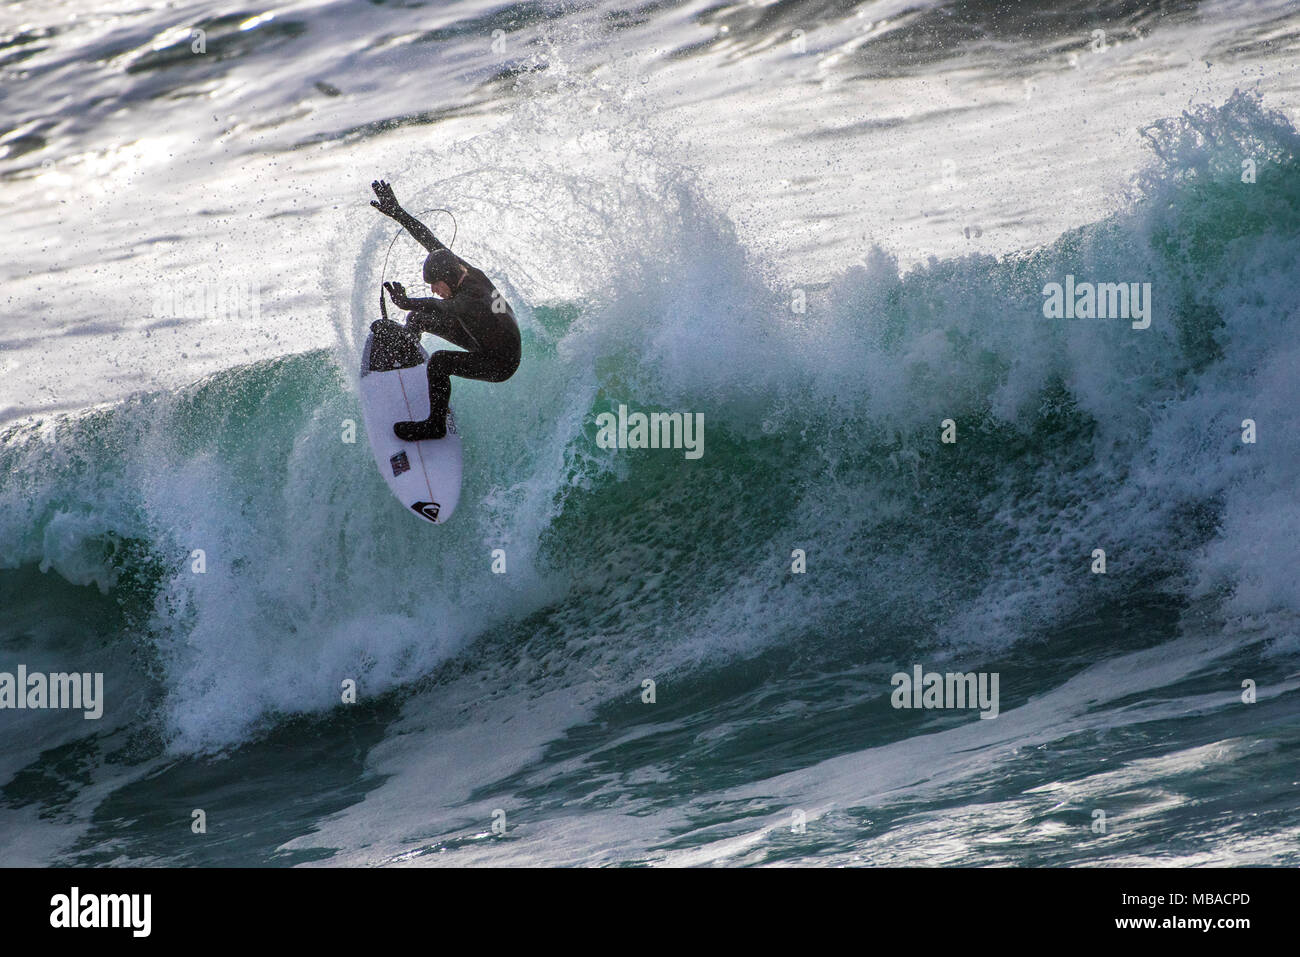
392	346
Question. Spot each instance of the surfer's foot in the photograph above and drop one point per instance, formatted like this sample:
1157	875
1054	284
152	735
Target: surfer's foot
433	428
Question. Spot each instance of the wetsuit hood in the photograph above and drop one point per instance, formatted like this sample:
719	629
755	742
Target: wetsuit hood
442	265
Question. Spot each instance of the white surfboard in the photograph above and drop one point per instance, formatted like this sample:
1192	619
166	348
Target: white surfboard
425	476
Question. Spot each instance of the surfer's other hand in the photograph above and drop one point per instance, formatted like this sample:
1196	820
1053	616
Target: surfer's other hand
387	202
397	293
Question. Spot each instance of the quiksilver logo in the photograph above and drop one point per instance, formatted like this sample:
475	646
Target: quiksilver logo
428	509
132	911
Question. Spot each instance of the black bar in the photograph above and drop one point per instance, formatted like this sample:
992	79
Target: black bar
336	906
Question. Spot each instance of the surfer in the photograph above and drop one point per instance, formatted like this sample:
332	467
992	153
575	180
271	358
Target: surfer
468	311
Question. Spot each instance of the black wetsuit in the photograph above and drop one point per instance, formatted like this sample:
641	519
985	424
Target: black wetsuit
477	318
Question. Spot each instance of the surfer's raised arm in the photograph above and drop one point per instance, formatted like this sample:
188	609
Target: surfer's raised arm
388	205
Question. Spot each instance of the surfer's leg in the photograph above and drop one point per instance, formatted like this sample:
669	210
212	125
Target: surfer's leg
435	426
484	366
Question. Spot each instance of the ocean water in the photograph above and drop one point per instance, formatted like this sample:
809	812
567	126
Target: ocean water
825	226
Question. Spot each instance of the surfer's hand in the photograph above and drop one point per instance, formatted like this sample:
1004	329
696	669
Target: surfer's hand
387	202
397	293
